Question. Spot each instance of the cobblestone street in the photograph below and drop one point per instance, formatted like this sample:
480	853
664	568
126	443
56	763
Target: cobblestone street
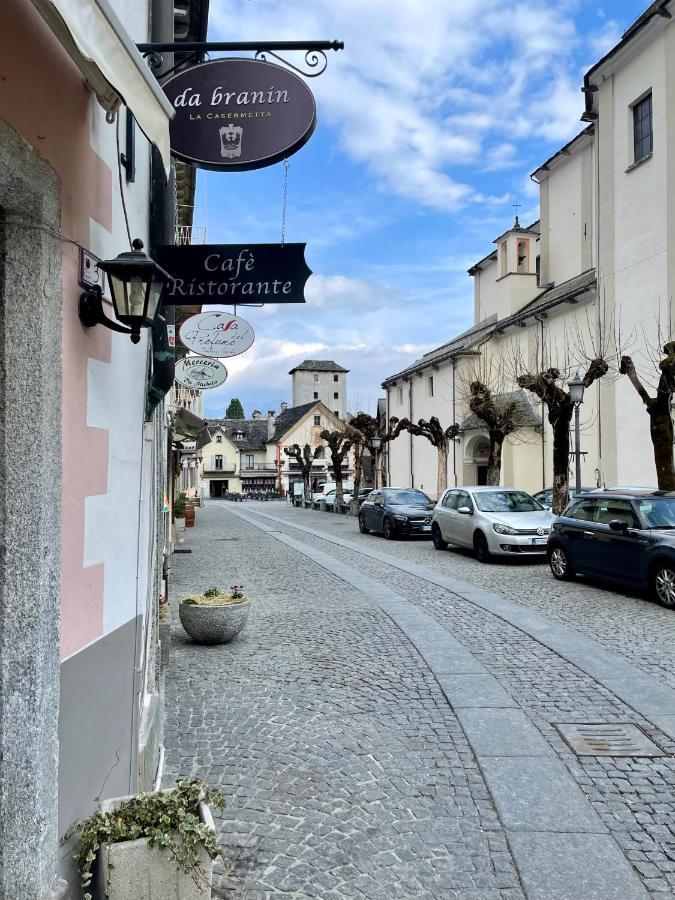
387	723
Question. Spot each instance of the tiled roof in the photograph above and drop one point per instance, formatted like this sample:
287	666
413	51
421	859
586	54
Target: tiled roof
290	417
318	365
524	415
254	430
550	297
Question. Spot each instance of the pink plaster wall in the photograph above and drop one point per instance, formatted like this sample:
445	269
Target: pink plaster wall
42	97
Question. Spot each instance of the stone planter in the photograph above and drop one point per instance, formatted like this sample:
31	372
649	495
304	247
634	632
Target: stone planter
214	624
134	871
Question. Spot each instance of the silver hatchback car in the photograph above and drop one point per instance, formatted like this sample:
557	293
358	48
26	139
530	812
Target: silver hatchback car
492	520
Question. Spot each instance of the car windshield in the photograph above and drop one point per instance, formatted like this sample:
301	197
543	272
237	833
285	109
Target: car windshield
505	501
658	512
407	498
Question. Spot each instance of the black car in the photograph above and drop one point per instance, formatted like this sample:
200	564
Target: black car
396	511
626	536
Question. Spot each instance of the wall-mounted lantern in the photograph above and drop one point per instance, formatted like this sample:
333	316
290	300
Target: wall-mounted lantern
136	285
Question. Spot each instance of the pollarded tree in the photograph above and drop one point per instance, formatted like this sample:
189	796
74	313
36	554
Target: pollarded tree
438	437
369	427
339	444
550	387
658	410
304	456
499	414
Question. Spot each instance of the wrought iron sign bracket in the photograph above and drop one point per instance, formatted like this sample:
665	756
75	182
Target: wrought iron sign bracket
316	60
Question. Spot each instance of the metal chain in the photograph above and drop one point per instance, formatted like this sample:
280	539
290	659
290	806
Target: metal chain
284	204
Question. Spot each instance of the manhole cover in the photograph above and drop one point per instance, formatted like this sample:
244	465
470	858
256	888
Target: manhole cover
600	739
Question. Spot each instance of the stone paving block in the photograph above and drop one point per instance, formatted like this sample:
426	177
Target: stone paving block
502	732
574	867
474	691
538	794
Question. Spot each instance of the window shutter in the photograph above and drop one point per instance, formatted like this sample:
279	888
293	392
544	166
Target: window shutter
213	462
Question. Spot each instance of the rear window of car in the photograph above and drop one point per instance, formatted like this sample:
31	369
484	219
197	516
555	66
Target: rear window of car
658	512
505	501
582	509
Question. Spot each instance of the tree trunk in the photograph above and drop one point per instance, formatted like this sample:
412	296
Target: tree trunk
661	433
561	462
339	493
379	471
494	466
305	481
358	468
442	481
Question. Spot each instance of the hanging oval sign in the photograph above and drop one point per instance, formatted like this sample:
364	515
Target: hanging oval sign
237	114
200	373
216	334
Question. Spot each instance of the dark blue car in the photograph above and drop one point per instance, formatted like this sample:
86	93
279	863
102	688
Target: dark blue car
624	536
396	512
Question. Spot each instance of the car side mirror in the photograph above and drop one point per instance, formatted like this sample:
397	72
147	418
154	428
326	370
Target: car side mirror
464	511
618	525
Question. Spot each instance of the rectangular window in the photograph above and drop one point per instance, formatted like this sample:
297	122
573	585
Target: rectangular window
538	270
317	420
219	462
336	377
643	138
335	396
250	461
219	439
316	395
400	395
430	386
316	376
336	412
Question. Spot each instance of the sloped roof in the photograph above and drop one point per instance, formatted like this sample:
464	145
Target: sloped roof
318	365
290	417
524	415
550	297
255	431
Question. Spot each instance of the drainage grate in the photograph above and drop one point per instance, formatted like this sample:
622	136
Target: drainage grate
601	739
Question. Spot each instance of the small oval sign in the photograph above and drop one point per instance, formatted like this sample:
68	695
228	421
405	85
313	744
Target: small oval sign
237	114
200	373
217	334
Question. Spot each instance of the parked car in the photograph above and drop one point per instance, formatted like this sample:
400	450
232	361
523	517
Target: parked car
545	497
329	496
323	489
396	512
627	536
363	494
491	520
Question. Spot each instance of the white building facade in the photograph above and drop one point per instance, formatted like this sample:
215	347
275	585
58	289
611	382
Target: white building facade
321	380
593	277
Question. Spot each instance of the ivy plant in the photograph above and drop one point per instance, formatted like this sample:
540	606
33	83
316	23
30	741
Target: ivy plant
168	819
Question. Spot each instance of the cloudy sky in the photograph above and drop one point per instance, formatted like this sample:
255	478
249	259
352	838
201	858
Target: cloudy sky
429	123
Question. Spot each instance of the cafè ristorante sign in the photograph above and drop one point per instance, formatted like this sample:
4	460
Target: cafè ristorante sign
238	114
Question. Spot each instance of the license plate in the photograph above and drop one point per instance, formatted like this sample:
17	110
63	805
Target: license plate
539	540
426	527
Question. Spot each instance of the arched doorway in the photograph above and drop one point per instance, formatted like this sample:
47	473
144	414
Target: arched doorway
476	452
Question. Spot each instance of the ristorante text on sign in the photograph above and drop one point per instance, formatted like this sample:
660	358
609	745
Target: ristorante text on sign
237	114
217	274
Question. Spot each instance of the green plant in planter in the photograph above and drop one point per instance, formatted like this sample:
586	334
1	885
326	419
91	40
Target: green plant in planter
215	597
179	507
169	820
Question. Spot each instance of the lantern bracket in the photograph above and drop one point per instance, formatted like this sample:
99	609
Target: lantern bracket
91	313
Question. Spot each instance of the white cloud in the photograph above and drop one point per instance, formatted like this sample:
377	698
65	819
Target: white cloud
421	91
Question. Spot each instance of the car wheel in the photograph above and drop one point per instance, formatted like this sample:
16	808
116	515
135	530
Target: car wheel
437	538
559	562
480	547
362	526
663	584
388	530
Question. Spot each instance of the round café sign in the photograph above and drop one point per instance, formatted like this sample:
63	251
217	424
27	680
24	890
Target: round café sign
218	334
235	114
200	373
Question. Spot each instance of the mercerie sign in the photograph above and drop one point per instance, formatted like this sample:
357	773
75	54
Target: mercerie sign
211	274
237	114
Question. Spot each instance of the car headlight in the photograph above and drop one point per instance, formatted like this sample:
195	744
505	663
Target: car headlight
504	529
401	518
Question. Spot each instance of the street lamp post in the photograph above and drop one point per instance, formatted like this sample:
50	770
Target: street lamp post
576	388
376	443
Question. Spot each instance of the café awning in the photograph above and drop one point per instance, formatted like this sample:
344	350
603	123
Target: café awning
111	65
188	426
